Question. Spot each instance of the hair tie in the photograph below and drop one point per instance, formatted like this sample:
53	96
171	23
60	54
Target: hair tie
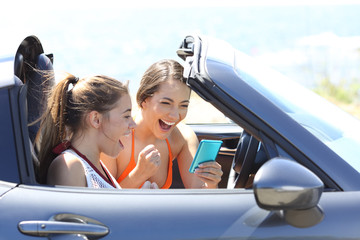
58	149
72	82
75	80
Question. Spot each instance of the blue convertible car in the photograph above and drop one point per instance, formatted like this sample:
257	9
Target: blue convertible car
291	161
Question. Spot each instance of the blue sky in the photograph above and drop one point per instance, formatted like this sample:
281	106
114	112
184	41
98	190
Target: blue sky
122	38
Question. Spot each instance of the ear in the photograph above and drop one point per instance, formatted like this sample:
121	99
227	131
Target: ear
144	103
95	119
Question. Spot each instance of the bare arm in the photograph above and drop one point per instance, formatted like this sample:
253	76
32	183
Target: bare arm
186	155
208	175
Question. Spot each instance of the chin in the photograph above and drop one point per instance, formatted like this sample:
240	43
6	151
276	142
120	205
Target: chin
163	135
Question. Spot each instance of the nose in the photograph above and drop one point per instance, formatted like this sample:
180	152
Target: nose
132	124
174	114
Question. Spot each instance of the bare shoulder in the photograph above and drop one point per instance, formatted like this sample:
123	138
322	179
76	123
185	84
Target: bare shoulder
186	132
66	169
68	161
183	137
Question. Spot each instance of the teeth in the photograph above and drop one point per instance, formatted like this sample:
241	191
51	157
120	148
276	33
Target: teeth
168	123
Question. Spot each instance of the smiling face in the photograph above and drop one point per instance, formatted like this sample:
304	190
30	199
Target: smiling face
166	108
117	123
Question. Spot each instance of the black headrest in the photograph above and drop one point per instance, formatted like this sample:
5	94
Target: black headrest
26	56
39	82
35	69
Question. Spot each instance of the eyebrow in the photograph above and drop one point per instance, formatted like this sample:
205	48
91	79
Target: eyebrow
169	99
127	110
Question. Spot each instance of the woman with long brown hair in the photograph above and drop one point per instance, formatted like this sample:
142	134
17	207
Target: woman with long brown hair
84	117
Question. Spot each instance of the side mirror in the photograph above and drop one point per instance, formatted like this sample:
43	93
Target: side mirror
285	185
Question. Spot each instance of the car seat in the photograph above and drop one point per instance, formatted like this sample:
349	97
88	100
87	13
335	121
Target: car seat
35	70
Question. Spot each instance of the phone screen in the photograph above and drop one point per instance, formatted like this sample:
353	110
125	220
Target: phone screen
207	151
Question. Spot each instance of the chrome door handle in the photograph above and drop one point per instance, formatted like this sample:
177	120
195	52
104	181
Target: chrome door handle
64	226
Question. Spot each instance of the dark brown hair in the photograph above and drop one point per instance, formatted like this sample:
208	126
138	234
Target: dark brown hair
156	74
69	101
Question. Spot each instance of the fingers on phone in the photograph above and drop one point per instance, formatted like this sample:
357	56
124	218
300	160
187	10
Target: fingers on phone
210	164
209	168
209	178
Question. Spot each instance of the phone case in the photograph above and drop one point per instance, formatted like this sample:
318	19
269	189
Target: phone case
207	151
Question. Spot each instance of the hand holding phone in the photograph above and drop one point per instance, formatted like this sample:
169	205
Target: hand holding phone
207	151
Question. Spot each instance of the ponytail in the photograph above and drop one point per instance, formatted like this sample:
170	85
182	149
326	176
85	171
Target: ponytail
53	125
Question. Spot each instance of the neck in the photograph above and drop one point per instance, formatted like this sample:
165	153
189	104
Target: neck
143	132
88	149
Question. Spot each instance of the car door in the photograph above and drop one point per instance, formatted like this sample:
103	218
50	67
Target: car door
28	211
37	212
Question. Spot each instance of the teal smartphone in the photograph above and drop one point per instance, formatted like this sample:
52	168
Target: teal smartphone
207	151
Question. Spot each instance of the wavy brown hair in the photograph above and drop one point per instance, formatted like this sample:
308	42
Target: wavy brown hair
156	74
69	102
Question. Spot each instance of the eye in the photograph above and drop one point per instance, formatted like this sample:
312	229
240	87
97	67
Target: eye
185	106
165	103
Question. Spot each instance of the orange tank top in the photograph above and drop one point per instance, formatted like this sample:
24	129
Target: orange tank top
132	164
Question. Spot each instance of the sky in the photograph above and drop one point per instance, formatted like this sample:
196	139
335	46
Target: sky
81	4
122	38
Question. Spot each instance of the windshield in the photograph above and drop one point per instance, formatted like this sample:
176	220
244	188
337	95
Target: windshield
334	127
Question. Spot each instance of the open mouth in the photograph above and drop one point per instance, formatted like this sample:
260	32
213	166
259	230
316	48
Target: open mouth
165	125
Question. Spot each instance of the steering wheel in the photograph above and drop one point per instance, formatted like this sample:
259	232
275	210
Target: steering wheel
244	158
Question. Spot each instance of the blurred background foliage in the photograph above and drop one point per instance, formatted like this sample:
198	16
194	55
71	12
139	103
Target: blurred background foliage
345	94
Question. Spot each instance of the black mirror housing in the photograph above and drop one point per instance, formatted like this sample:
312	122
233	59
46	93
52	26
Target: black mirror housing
285	185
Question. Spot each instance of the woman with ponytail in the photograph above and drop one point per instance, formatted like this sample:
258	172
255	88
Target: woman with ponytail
84	117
